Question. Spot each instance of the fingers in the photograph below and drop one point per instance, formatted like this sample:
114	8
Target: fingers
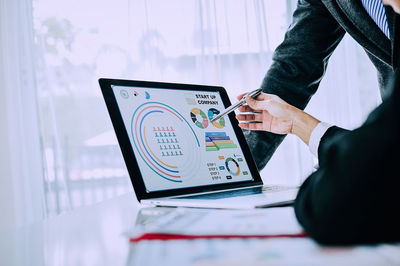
254	121
263	102
265	96
241	96
257	105
250	117
262	96
246	109
251	126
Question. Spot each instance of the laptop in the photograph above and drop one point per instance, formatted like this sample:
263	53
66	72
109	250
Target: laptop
176	157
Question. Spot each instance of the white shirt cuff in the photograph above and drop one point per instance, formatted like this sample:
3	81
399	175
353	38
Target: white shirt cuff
316	136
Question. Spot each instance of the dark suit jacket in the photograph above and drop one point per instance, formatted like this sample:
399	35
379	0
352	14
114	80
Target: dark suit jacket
300	61
354	195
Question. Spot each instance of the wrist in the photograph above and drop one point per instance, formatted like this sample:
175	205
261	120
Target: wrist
303	125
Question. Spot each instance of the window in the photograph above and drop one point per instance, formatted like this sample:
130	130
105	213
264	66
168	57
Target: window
207	42
226	43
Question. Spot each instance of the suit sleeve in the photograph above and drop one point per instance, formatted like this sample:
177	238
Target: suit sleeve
353	197
332	132
298	66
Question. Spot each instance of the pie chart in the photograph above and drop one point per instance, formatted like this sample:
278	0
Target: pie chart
197	114
218	124
232	166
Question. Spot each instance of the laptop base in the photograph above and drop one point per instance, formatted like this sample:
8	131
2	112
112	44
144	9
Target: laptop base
261	198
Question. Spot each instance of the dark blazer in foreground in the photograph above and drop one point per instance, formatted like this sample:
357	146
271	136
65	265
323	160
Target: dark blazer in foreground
354	195
299	63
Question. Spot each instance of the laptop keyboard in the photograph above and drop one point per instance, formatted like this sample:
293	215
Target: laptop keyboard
237	193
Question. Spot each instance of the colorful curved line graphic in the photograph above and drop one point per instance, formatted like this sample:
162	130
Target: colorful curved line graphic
141	138
227	161
138	131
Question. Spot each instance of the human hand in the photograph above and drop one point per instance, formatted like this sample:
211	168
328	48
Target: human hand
273	114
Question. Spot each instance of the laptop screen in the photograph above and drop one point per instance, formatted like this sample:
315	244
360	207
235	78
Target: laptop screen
174	143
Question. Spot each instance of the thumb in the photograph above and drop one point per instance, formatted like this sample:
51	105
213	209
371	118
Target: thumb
241	96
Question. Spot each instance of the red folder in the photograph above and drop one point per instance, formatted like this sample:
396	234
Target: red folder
166	236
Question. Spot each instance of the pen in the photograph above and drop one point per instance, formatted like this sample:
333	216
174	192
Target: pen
233	107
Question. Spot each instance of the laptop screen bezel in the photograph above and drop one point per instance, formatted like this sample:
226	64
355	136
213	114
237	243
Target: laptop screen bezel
129	155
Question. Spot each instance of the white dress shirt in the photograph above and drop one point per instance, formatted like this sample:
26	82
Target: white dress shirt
316	136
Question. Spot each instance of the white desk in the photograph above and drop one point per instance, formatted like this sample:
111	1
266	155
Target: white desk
93	236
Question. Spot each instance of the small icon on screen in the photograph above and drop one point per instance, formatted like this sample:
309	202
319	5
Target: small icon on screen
124	94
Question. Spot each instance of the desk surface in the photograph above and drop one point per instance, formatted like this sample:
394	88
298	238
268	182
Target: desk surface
94	236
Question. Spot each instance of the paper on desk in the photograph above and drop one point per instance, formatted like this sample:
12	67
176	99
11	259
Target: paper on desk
259	251
187	221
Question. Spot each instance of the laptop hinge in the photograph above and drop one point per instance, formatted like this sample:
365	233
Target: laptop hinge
208	192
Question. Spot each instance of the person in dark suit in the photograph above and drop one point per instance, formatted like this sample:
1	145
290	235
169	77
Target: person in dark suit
300	61
353	196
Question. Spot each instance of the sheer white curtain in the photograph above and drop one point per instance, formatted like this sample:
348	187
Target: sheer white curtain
210	42
226	43
21	173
